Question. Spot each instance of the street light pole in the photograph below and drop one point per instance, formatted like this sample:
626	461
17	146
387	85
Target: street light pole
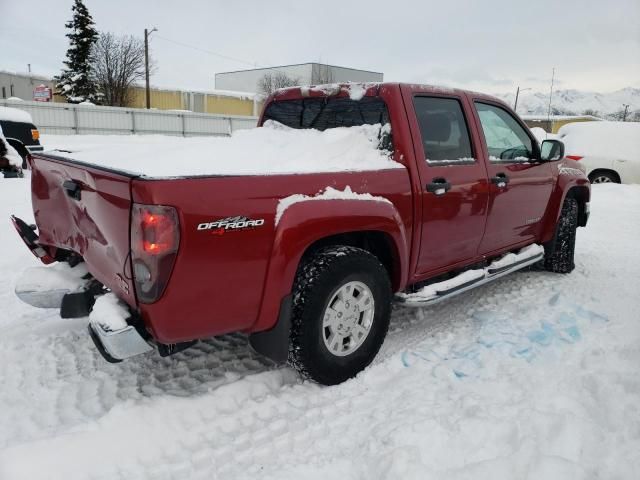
515	104
146	65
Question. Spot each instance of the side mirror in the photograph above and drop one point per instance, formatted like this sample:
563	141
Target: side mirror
551	150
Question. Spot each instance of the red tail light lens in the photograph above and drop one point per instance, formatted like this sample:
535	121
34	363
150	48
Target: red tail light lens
574	157
155	237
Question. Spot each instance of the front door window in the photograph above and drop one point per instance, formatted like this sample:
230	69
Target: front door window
506	140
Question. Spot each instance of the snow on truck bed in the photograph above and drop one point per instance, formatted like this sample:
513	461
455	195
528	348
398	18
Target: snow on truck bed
273	149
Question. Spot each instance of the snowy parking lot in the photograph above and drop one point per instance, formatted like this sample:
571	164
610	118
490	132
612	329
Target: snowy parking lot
532	377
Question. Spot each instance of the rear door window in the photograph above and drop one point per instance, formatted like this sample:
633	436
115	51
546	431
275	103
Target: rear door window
444	132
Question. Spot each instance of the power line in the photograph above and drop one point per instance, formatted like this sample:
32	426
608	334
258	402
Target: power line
203	50
220	55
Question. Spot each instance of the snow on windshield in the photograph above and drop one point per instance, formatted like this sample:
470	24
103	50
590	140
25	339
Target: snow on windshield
270	150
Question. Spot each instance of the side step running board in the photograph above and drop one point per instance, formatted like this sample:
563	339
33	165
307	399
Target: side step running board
438	292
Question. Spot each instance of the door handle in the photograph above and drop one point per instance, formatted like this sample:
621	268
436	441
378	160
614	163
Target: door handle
72	188
500	180
438	186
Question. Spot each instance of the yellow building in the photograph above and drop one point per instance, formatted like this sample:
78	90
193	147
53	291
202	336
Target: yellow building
220	102
553	123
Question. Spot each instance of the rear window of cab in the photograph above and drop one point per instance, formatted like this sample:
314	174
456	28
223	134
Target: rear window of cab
322	113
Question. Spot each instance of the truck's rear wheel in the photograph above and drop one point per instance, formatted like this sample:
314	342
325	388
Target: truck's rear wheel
340	316
559	252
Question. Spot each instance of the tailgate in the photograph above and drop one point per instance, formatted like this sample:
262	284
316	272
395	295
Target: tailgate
86	209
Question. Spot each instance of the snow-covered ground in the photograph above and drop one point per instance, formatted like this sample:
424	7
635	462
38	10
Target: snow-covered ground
532	377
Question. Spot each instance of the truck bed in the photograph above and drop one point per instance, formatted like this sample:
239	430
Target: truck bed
227	268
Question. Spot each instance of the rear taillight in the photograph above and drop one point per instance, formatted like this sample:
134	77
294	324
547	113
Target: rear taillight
155	237
35	134
574	157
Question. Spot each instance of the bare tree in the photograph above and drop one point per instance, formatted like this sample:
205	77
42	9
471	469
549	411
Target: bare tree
270	82
118	63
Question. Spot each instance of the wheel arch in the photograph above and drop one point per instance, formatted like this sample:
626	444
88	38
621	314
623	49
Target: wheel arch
579	188
593	173
374	226
582	194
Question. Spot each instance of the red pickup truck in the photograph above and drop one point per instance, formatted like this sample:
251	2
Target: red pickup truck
475	198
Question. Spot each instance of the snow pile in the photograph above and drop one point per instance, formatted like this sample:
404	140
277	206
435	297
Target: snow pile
271	150
619	140
57	276
329	193
110	313
44	287
15	115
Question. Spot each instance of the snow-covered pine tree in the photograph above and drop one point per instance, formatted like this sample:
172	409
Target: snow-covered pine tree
75	83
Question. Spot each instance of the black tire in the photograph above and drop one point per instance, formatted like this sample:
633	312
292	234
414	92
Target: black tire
560	251
600	176
318	279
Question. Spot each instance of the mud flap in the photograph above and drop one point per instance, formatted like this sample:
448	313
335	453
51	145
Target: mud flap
274	343
77	304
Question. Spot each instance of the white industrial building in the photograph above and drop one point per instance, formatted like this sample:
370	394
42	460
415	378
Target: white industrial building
302	73
21	85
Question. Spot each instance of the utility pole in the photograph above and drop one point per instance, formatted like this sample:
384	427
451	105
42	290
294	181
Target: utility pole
626	109
515	104
553	74
146	64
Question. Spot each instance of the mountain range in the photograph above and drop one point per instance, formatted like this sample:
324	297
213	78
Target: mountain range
577	102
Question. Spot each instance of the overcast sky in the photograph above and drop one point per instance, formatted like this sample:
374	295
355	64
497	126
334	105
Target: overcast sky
485	45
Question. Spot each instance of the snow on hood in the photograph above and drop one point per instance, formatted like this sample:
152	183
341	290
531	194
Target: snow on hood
15	115
619	140
270	150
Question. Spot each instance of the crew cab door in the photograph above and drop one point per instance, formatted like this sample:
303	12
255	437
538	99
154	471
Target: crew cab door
454	181
520	184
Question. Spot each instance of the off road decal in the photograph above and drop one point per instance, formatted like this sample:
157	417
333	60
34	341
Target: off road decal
233	224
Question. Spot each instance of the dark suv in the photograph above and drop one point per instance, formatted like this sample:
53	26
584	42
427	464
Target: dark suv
20	133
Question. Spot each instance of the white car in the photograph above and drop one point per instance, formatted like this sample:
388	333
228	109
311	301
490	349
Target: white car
610	151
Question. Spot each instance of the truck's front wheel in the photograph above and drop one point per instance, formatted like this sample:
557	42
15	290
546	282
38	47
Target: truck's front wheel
559	252
340	316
